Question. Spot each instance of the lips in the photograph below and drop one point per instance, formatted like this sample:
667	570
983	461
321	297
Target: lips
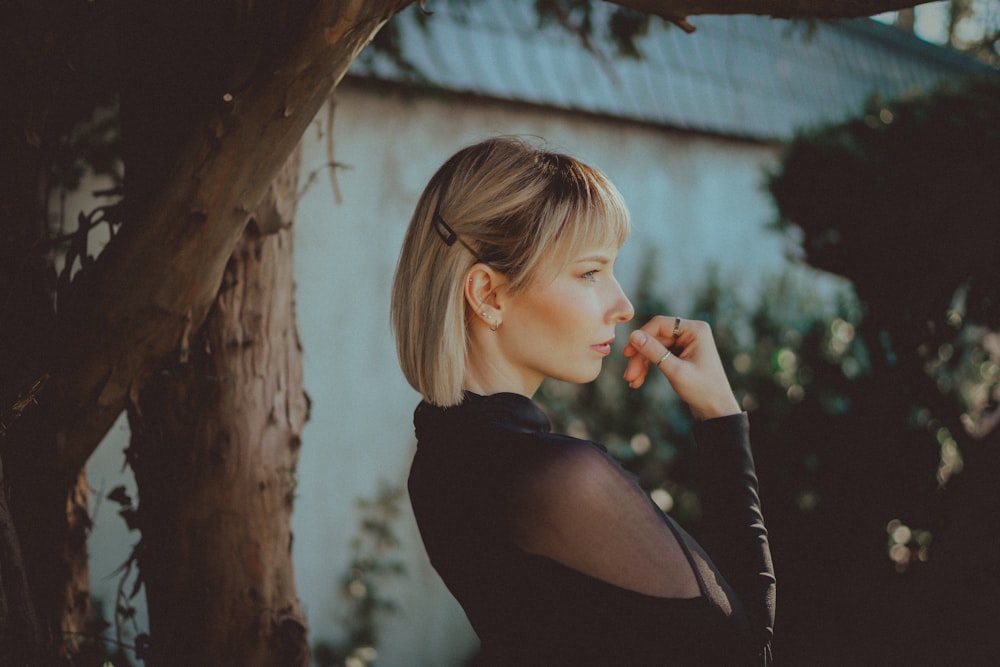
603	348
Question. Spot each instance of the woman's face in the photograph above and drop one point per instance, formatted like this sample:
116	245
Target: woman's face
562	325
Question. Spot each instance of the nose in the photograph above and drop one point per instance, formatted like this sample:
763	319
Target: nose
621	309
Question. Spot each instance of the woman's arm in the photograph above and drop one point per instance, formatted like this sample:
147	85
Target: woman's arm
735	538
576	506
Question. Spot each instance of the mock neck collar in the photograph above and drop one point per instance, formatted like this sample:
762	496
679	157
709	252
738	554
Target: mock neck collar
505	411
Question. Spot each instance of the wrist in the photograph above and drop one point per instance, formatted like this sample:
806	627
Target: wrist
723	408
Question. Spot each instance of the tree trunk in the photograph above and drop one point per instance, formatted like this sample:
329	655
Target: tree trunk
49	523
137	305
214	448
20	633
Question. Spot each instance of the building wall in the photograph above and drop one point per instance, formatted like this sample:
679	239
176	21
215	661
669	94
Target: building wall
696	201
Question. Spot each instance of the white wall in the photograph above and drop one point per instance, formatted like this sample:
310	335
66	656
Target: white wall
696	199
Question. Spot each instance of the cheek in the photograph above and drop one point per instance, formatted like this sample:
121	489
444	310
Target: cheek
545	329
552	316
559	318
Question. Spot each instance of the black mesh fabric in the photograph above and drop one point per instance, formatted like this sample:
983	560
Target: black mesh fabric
558	557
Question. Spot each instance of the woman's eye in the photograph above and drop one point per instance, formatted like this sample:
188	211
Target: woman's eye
590	276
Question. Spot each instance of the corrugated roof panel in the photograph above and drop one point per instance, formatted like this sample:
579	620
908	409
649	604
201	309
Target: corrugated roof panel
676	61
638	84
660	85
521	64
746	76
605	88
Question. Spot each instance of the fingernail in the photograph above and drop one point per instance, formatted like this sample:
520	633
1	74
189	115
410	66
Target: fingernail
639	338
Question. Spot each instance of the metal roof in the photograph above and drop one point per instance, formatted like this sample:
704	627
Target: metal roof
744	76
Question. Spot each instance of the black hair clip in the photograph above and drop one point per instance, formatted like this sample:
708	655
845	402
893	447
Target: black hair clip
440	226
449	236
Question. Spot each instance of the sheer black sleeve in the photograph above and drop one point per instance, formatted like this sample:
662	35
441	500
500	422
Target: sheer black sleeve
576	506
735	536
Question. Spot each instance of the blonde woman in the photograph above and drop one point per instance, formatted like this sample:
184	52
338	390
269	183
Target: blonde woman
558	557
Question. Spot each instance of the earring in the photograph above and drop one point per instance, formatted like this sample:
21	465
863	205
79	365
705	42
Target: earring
489	318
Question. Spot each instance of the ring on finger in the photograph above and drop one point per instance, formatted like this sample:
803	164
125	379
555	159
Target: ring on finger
665	355
677	327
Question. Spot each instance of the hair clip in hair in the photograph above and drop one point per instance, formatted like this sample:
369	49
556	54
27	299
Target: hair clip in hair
449	235
446	233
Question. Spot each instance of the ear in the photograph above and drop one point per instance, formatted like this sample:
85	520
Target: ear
483	286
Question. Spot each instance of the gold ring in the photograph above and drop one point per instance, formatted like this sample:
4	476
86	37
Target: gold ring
665	355
677	327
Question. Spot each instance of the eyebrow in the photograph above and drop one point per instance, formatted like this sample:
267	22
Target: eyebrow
600	259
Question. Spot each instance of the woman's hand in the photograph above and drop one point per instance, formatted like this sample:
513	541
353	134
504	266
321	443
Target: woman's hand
693	366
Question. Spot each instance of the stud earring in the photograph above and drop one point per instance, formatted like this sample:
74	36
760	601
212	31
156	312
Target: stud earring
489	318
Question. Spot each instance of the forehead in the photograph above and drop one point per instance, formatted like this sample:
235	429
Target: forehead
591	233
603	251
564	229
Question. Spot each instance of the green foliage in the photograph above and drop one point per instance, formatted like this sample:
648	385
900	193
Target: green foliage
98	650
374	564
125	623
903	202
592	22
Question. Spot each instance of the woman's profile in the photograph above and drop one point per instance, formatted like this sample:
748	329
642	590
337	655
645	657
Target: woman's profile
558	557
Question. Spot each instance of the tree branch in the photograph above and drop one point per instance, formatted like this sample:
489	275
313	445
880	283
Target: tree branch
677	11
159	276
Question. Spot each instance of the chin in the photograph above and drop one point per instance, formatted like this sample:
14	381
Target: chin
581	378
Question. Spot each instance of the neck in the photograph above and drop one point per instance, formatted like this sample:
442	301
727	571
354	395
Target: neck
487	372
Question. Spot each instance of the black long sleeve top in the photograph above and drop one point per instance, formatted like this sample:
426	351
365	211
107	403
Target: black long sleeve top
489	481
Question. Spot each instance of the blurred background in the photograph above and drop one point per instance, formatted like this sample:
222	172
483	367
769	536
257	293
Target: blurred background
824	193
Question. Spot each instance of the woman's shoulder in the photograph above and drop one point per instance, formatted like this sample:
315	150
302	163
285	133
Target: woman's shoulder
570	464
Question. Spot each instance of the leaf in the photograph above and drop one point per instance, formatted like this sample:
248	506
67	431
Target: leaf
120	495
131	517
136	587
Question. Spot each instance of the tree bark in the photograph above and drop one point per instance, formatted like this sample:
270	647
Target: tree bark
157	278
215	445
20	633
138	305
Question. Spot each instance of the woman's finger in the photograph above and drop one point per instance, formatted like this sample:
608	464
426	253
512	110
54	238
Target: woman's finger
646	351
689	360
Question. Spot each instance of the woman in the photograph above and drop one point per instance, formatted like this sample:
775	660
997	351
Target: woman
506	277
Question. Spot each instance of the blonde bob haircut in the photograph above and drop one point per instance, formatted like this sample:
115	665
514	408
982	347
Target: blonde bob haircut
510	205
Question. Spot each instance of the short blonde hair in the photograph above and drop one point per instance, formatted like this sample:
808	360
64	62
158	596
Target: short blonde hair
508	204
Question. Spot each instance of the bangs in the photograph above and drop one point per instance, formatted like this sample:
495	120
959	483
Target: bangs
600	219
585	210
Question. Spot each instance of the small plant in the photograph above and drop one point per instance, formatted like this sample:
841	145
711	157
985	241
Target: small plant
373	564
